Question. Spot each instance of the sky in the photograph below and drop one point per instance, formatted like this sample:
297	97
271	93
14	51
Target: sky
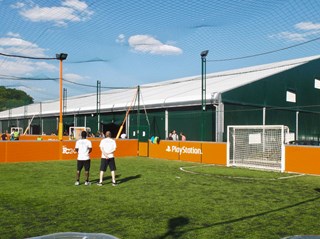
135	42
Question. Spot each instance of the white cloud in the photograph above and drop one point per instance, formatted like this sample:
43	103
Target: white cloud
75	4
121	39
24	67
291	36
70	10
148	44
307	26
15	42
18	46
18	5
73	77
12	34
305	31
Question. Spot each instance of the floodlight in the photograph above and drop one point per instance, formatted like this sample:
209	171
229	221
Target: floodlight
61	56
204	53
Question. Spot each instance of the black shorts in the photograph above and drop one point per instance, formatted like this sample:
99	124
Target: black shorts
83	163
107	162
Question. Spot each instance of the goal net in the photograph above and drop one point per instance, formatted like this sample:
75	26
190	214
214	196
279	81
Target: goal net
75	132
257	146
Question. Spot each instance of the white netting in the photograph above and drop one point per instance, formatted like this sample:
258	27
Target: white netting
257	146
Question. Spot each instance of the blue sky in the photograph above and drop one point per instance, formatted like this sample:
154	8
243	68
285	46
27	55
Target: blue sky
133	42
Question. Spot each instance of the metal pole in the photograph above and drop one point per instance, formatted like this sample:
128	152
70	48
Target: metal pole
98	104
203	91
203	83
65	95
60	57
138	115
41	122
60	128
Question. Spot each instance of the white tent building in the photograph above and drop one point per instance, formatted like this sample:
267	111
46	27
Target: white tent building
257	89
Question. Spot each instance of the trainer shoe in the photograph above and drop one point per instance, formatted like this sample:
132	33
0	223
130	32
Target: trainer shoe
77	183
87	183
114	184
99	184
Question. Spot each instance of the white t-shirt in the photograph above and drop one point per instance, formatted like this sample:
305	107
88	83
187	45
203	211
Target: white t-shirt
109	146
175	137
83	146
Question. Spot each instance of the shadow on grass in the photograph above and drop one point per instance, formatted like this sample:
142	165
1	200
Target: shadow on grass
122	180
174	227
175	223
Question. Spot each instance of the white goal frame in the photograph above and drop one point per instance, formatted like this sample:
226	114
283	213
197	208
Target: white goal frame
75	132
257	146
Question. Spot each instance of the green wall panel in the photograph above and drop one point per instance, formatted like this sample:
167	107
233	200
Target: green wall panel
309	126
50	125
241	115
281	117
189	121
271	91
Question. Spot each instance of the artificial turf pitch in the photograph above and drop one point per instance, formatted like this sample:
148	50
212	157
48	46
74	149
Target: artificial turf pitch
157	199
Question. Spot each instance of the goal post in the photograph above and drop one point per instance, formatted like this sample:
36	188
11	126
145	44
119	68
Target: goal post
257	146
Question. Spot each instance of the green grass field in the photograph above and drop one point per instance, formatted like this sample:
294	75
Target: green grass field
156	199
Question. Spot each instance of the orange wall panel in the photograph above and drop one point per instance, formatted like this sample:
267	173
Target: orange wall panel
190	151
3	150
68	150
302	159
126	147
164	150
32	151
143	149
202	152
214	153
45	150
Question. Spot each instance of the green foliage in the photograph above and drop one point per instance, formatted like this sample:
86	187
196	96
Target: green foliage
156	200
11	98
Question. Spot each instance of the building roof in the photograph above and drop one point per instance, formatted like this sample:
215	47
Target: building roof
172	93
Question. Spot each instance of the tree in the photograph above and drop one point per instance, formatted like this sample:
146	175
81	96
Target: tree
12	98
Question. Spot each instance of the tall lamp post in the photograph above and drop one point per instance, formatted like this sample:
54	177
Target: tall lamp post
61	57
203	89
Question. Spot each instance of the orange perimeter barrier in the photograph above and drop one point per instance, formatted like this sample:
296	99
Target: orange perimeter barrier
302	159
299	159
214	153
46	150
30	151
200	152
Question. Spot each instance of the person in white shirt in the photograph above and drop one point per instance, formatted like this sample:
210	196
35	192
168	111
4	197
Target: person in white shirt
108	147
174	136
83	148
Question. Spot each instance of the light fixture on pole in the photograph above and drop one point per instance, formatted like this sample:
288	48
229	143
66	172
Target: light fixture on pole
203	55
61	57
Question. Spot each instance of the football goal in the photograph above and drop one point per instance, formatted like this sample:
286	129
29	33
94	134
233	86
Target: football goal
257	146
75	132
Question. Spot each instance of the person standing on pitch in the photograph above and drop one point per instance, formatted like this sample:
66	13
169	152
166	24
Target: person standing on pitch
83	148
108	147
